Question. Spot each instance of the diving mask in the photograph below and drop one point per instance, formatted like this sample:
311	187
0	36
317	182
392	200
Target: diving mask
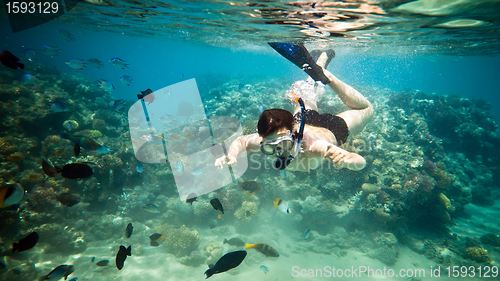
279	146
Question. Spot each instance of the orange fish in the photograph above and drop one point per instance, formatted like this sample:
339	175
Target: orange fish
189	135
58	152
33	177
14	158
219	216
174	136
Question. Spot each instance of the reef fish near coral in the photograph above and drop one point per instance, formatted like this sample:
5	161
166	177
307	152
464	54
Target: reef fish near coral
26	243
235	242
9	60
64	34
226	262
250	186
29	54
76	63
282	205
265	249
95	63
59	272
191	198
117	62
151	208
307	233
11	194
105	85
121	256
128	230
69	171
102	263
217	205
26	78
139	168
126	80
156	239
49	51
67	199
59	107
81	142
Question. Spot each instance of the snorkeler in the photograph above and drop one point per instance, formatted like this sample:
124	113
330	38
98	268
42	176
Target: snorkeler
304	140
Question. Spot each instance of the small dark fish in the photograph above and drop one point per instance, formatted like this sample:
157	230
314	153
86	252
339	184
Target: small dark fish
235	242
307	233
50	51
147	96
118	104
26	243
122	255
9	60
96	63
126	80
59	107
67	199
65	35
92	259
102	263
76	63
212	225
250	186
48	169
155	239
76	171
265	249
128	230
217	205
118	62
226	262
59	272
191	198
81	142
248	213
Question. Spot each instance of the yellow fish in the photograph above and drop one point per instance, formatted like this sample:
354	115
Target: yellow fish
265	249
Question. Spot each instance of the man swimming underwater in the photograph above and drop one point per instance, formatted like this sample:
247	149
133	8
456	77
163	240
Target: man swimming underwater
304	140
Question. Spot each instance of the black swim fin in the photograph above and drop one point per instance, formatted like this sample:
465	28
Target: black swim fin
329	53
299	55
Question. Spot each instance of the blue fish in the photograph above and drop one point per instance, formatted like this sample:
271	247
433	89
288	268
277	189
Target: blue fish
105	85
208	111
197	172
264	269
50	51
103	150
96	63
306	235
261	108
65	35
118	104
179	166
117	62
74	279
126	80
59	107
76	63
139	168
151	208
27	78
29	54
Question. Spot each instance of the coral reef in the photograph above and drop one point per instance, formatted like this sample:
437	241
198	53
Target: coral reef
180	241
214	251
247	211
388	250
477	254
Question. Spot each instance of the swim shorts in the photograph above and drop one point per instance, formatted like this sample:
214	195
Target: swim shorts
334	123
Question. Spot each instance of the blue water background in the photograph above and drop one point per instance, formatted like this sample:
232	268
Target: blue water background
159	62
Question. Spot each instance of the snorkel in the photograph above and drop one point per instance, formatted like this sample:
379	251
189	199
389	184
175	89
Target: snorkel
282	162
